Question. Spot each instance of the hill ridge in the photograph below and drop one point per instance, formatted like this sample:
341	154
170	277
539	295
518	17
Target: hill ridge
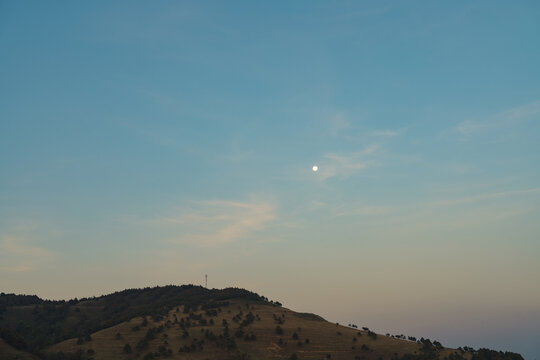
190	321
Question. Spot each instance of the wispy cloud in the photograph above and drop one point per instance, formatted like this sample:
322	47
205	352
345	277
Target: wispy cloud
19	268
344	165
384	133
363	210
17	253
237	153
18	246
489	200
507	118
482	197
338	123
219	222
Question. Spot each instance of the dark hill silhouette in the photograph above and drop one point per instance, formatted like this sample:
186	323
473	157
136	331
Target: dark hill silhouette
192	322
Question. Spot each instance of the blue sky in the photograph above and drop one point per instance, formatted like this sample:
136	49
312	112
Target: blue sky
153	142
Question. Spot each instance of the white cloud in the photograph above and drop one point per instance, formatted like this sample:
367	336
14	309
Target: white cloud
507	118
384	133
482	197
469	127
17	246
345	164
219	222
16	253
362	210
19	268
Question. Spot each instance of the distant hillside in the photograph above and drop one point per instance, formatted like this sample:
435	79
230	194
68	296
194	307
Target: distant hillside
192	322
43	322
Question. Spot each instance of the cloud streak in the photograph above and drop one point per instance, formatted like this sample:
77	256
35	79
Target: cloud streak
483	197
18	269
344	165
219	222
16	246
364	210
16	252
507	118
384	133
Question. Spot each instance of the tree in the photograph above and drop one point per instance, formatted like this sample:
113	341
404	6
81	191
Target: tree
279	330
127	349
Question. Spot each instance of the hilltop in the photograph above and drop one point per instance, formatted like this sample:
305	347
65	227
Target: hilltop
192	322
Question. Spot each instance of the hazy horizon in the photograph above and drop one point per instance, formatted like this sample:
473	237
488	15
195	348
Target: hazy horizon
152	143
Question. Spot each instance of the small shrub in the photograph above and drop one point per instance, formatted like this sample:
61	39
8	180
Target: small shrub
149	356
239	333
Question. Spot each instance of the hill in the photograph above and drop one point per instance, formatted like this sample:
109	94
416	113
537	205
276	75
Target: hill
9	352
191	322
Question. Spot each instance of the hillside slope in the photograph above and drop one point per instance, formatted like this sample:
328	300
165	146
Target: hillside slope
38	323
239	330
192	322
8	352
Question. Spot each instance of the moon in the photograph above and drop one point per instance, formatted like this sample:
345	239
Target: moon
315	168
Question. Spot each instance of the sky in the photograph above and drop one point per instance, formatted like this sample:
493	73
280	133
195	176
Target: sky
151	143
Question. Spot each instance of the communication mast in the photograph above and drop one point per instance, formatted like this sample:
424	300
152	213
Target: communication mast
206	281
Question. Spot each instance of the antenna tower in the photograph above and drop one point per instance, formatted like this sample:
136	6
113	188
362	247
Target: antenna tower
206	281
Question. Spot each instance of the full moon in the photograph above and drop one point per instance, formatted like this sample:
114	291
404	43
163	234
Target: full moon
315	168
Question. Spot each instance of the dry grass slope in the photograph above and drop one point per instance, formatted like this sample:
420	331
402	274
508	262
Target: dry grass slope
7	352
306	335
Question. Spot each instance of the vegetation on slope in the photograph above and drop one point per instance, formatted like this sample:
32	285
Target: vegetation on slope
31	323
191	322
